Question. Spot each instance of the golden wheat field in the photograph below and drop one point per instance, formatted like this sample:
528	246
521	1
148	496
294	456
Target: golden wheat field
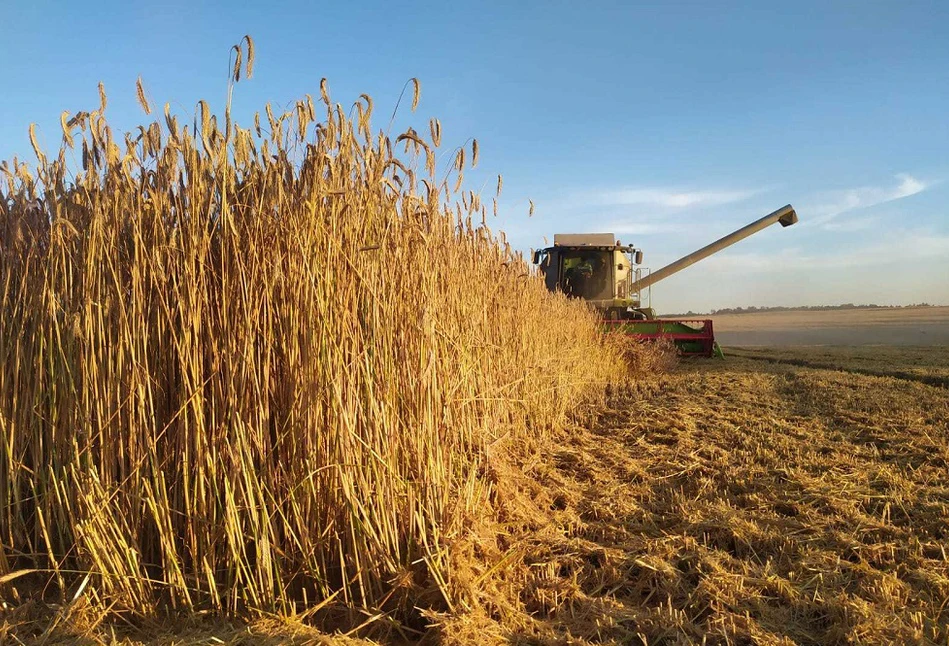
263	370
281	384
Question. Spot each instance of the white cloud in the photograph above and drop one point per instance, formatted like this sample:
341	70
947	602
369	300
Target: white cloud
833	204
671	198
909	185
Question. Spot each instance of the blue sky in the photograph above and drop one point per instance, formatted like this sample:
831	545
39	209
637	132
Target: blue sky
668	123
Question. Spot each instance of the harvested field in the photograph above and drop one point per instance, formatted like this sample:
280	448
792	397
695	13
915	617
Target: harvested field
743	502
897	326
925	364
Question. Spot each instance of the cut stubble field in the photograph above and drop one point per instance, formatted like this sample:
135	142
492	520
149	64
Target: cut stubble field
748	501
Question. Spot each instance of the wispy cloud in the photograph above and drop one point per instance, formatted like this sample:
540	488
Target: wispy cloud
832	204
659	210
853	224
671	198
639	228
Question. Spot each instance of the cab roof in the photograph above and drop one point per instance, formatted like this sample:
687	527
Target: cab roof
584	240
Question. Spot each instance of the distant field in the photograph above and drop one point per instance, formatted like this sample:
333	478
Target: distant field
922	326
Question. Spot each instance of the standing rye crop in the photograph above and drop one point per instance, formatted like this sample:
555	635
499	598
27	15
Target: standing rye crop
222	388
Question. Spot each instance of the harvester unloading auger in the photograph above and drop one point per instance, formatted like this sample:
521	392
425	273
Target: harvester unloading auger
598	269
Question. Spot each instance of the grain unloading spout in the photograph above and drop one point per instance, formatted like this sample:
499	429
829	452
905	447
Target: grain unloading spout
786	215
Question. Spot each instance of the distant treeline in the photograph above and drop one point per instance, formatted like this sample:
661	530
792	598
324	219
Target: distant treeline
799	308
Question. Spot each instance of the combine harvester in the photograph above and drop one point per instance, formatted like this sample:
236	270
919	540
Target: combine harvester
600	270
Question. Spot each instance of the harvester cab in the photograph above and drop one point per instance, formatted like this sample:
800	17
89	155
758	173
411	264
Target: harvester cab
599	269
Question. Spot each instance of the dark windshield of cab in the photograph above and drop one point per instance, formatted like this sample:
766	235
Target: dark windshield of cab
586	273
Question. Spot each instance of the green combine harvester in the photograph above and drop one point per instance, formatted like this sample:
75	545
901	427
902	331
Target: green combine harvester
597	268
